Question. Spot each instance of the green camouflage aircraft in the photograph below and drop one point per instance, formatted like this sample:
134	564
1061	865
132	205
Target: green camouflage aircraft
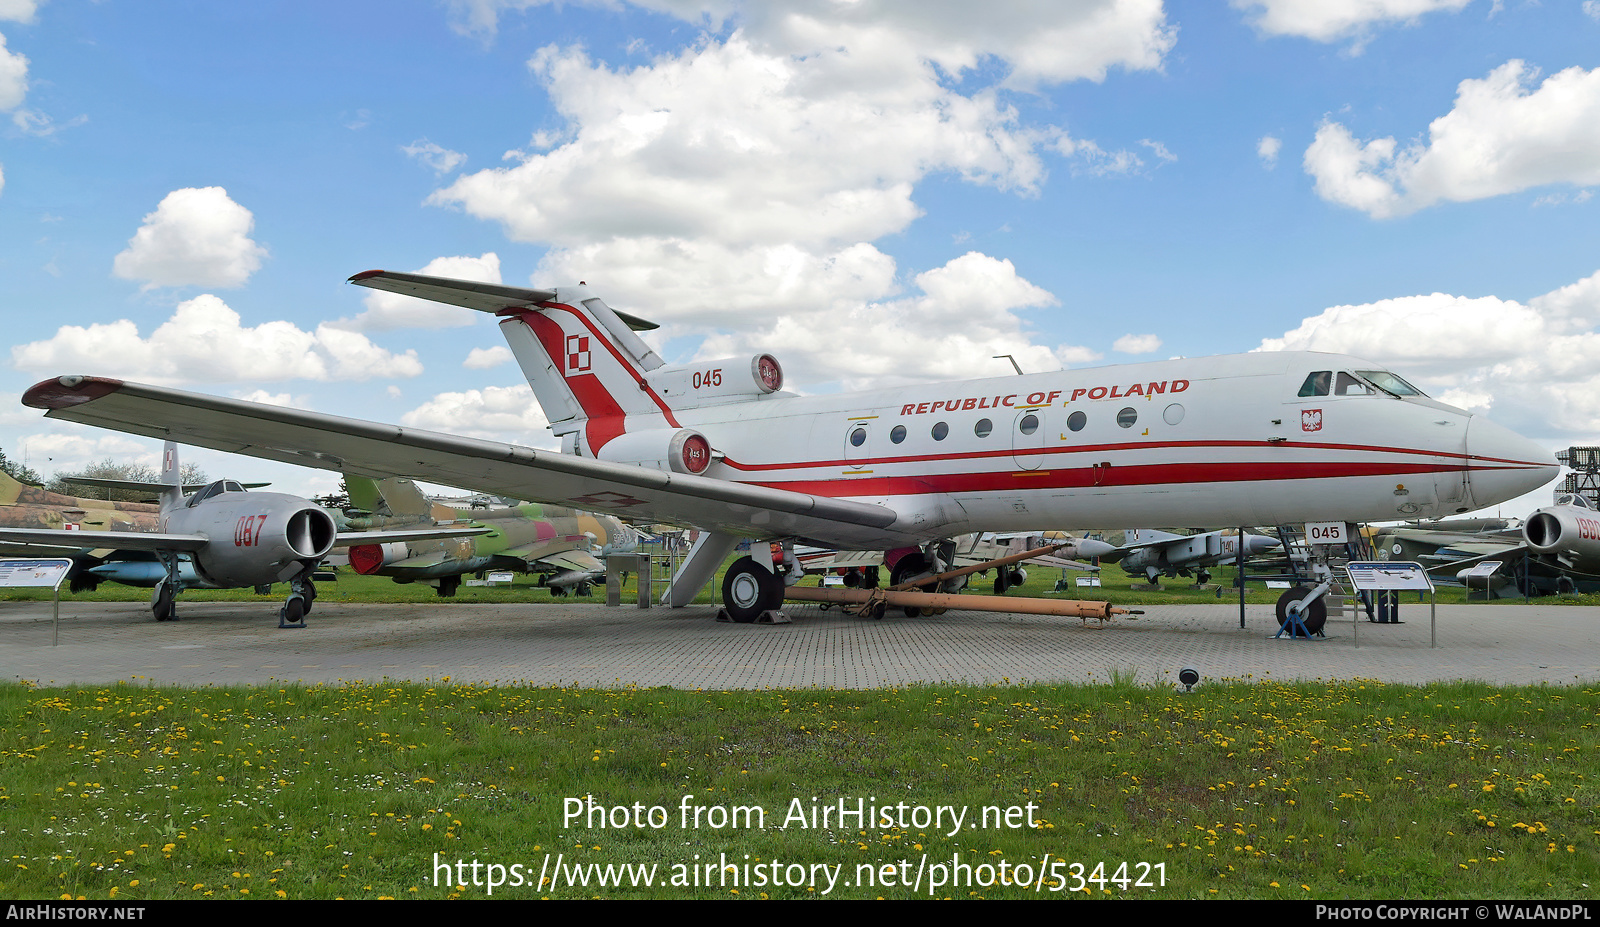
565	545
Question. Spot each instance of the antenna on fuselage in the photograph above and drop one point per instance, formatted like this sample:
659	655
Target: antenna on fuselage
1013	361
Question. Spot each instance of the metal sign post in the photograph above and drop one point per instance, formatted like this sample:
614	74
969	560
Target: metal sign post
1395	575
39	573
1485	569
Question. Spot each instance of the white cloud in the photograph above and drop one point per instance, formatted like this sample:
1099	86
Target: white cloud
273	399
485	358
1137	344
1500	138
2	178
386	311
1267	150
1159	150
965	315
204	342
1531	362
197	236
40	125
1332	20
442	160
504	413
736	144
1591	8
20	11
76	447
1043	41
707	188
13	78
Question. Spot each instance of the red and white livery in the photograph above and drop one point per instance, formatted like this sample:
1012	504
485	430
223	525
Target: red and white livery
1263	438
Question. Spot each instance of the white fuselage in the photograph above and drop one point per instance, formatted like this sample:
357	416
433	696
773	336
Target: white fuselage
1204	441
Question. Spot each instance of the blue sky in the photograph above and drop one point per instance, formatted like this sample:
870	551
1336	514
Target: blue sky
877	192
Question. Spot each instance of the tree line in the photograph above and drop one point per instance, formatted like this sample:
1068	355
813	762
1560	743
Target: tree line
107	469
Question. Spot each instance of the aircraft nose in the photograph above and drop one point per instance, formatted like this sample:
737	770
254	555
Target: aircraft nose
1089	547
1257	544
1503	464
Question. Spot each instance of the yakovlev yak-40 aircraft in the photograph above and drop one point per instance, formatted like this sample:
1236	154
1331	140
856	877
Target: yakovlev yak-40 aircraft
1265	438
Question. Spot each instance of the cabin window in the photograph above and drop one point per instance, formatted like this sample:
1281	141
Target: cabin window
1029	424
1127	417
1076	421
858	437
1317	384
983	428
940	431
1172	414
897	434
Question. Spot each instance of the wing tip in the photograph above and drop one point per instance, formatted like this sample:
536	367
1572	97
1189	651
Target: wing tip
364	275
68	391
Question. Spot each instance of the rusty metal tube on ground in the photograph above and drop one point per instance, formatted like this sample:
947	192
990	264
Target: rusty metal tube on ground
980	567
1071	608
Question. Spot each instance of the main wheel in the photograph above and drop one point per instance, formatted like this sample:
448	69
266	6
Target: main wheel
163	606
294	611
910	565
1315	615
748	589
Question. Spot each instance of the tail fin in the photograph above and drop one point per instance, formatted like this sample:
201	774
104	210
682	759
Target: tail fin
390	497
584	363
587	367
171	476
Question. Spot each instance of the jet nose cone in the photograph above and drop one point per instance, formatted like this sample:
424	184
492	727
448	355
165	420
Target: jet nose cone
1256	544
1503	464
1090	547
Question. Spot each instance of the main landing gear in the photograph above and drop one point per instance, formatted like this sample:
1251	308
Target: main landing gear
163	597
748	589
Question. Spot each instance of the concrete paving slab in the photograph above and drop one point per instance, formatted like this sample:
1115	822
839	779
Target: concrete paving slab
592	645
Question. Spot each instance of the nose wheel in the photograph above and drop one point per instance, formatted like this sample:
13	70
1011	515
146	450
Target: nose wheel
302	592
1311	617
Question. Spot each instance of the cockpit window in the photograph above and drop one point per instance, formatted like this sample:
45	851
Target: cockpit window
1574	500
1316	384
1348	385
214	489
1390	383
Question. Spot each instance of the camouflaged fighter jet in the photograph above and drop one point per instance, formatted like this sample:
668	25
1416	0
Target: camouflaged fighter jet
565	545
24	506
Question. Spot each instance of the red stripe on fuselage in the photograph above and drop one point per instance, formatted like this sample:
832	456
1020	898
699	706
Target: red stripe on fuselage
1105	449
1085	477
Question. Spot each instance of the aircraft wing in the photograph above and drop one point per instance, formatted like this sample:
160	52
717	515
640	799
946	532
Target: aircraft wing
815	560
557	553
574	560
93	540
352	538
331	442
